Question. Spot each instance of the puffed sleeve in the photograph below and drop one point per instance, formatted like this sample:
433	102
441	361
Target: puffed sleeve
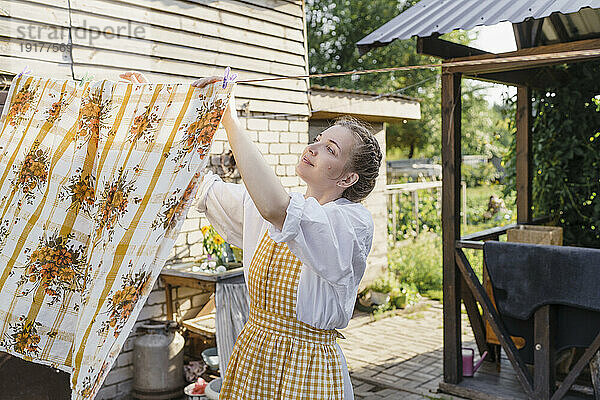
223	205
330	239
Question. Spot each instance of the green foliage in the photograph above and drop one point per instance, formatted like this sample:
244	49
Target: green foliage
477	208
401	294
480	174
429	215
566	155
335	26
418	263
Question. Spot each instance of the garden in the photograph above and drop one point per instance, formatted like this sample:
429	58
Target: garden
415	248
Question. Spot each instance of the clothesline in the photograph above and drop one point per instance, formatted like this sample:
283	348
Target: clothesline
534	57
524	58
506	60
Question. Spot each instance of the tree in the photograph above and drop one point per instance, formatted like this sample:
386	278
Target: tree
335	26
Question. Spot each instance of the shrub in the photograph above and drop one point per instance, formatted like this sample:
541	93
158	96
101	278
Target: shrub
419	263
401	294
480	174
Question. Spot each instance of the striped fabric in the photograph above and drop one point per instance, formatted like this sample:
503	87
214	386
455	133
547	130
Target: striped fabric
95	181
276	356
233	308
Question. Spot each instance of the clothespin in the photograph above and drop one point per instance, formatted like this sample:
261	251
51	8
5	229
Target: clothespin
86	77
228	77
26	71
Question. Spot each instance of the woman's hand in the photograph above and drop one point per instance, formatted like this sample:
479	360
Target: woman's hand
230	117
134	77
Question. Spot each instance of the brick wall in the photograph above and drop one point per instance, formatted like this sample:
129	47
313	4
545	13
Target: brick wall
281	141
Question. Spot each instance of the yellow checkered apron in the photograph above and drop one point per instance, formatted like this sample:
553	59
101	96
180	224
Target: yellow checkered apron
276	356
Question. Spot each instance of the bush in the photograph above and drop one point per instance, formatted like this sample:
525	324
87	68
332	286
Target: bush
480	174
418	264
401	295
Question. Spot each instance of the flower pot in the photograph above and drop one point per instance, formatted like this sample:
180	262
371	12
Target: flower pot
379	298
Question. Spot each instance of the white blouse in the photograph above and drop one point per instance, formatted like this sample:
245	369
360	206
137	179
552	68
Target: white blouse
331	240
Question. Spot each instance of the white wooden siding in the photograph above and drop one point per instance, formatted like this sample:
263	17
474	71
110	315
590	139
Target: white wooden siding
180	40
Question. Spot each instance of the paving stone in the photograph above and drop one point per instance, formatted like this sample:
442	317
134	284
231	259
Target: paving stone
399	357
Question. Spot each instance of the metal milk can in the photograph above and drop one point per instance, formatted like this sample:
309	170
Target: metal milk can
158	362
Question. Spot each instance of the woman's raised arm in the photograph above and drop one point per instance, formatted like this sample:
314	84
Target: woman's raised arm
264	187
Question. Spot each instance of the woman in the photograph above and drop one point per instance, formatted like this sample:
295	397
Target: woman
304	256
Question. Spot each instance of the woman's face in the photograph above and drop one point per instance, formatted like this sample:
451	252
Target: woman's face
322	163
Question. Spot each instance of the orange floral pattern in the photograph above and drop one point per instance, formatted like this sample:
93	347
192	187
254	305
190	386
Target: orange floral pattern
198	135
174	206
31	173
122	302
81	192
54	113
4	231
92	381
93	116
68	273
144	126
113	203
21	104
56	266
23	337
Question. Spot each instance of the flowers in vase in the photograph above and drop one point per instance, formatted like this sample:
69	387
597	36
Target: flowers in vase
213	243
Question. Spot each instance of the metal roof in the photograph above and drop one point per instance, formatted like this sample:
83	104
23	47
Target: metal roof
375	95
428	17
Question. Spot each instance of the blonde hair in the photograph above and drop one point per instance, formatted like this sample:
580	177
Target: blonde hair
364	160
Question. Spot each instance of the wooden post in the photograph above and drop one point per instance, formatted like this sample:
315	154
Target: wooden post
451	160
523	162
393	198
169	301
543	364
415	199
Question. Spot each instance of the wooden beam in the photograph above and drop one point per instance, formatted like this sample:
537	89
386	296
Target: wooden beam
433	46
507	77
169	301
523	154
534	78
580	45
576	370
495	322
527	33
559	27
543	344
470	244
451	161
538	78
475	318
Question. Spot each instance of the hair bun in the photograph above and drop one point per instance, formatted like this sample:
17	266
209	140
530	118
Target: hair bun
365	159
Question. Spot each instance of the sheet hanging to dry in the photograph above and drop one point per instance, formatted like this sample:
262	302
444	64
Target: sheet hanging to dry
95	181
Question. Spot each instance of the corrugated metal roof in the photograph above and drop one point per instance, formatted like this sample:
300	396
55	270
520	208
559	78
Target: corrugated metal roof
442	16
364	92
